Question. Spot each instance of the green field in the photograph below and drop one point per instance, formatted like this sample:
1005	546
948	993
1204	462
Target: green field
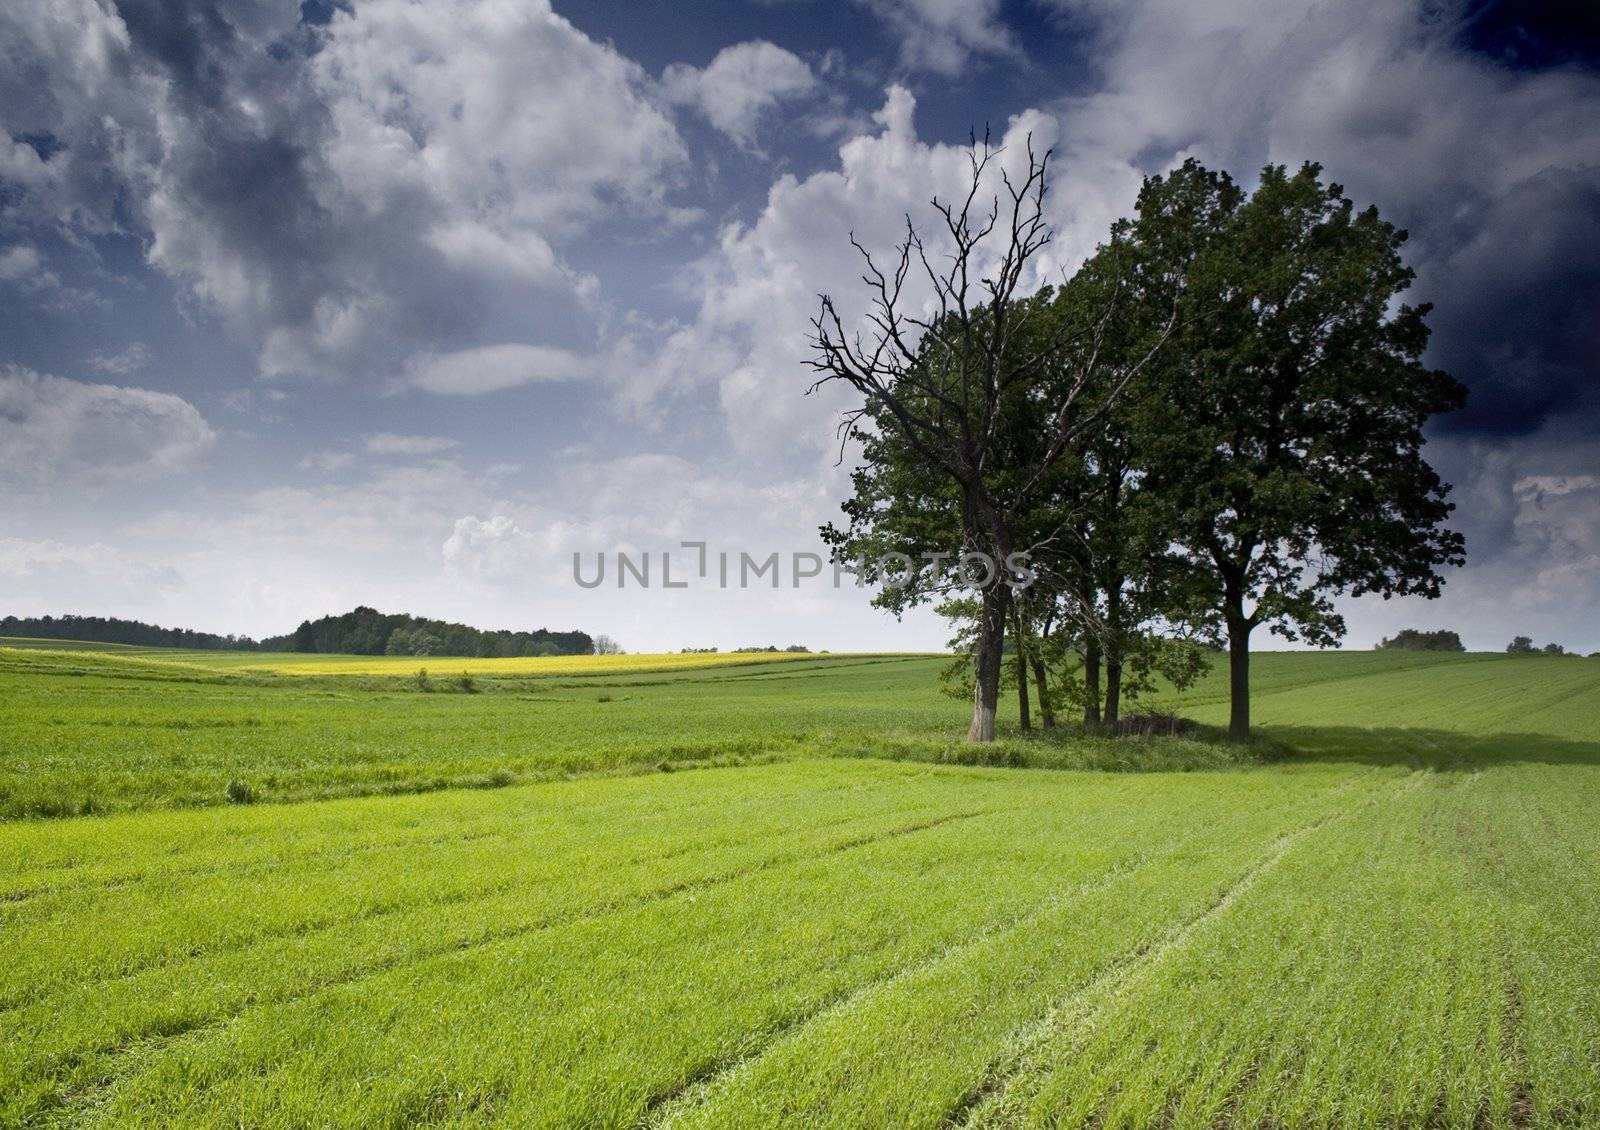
1387	914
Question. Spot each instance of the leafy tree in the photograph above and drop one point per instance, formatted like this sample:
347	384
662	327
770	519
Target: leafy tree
970	407
1410	639
1521	645
1553	649
968	413
1282	439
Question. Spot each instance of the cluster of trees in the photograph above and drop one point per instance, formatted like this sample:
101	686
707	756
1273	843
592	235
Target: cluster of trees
1214	425
1523	645
366	631
109	629
1411	639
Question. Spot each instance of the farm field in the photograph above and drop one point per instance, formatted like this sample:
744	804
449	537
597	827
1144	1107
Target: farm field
1386	916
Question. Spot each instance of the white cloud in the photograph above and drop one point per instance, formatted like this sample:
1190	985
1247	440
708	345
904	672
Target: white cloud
942	35
19	262
741	85
387	443
491	368
490	548
53	577
345	207
22	265
54	428
759	288
90	103
328	461
121	363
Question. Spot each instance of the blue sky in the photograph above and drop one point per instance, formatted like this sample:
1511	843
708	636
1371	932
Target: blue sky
305	306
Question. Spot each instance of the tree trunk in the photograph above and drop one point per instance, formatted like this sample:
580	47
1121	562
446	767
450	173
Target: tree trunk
1113	653
991	639
1113	691
1024	714
1239	676
1042	684
1091	682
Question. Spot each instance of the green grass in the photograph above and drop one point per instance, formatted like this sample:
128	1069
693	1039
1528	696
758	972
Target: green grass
1390	917
94	733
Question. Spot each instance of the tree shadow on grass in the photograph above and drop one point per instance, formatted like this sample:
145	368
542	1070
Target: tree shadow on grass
1438	750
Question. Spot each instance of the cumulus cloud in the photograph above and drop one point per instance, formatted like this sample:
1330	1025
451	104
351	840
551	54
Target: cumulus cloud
52	576
741	85
54	428
760	286
943	35
76	123
343	195
489	548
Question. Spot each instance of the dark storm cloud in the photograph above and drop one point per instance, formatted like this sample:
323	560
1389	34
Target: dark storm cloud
192	42
1518	317
1534	34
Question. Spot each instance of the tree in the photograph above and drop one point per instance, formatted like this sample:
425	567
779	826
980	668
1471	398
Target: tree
1283	438
605	645
1521	645
970	408
1410	639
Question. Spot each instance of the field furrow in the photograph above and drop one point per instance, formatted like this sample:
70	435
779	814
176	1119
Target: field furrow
1387	925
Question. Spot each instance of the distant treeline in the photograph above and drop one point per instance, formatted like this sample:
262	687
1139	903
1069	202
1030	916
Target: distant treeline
364	631
794	648
105	629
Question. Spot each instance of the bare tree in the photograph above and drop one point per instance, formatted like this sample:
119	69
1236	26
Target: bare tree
605	645
956	384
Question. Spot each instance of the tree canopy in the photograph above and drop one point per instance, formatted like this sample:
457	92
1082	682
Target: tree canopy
1215	424
1412	639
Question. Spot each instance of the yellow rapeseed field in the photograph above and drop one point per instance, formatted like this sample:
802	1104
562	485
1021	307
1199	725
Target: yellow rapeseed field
292	664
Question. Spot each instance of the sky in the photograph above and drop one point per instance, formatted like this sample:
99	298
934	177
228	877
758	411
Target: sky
305	306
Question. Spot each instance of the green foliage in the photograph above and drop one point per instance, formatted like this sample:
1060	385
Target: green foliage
1521	645
1284	437
366	631
1411	639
